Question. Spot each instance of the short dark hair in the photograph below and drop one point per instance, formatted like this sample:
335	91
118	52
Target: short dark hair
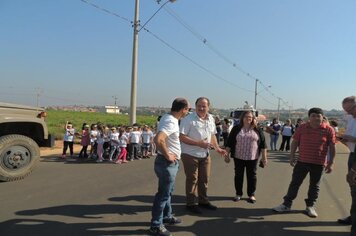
202	98
333	123
179	104
315	110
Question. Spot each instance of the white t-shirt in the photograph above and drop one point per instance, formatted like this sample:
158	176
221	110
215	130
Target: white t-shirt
69	135
123	140
169	125
147	136
351	130
100	138
114	137
135	136
198	129
93	135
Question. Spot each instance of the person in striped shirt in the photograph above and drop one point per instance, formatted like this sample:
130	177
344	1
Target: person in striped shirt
313	139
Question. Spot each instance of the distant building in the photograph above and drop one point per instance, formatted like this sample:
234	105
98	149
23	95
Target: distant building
112	109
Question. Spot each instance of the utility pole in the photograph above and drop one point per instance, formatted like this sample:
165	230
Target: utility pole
136	30
256	94
133	101
115	98
38	95
279	103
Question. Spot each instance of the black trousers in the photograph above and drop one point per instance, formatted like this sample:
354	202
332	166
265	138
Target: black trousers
67	144
285	142
251	168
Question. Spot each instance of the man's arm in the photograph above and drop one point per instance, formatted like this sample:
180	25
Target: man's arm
292	158
188	140
215	144
330	165
160	141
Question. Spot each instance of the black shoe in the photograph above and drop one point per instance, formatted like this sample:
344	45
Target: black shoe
194	209
160	231
251	200
172	221
208	206
345	221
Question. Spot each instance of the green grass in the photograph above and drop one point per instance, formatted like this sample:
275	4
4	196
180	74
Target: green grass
56	120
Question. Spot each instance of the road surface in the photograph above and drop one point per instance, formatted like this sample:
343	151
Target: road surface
85	198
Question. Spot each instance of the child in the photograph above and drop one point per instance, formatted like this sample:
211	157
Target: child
68	139
93	138
114	142
100	143
85	141
134	139
122	145
147	139
106	145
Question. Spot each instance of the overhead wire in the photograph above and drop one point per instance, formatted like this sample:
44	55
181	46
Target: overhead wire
197	35
204	40
169	45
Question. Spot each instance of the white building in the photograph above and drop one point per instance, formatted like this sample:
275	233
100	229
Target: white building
112	109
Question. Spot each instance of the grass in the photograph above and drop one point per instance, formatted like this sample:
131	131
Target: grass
56	120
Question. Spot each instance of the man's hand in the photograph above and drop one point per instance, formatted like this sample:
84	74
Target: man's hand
171	157
222	152
292	159
204	144
329	168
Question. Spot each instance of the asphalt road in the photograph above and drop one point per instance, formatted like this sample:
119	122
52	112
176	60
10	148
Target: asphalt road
85	198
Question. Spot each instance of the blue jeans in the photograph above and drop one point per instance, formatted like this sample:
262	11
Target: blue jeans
300	171
274	139
166	172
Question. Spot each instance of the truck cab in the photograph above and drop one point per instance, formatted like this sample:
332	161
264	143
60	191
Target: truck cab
23	130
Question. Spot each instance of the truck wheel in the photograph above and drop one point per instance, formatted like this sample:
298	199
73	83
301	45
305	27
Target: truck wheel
18	155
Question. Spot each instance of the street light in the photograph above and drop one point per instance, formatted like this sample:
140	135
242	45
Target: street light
136	30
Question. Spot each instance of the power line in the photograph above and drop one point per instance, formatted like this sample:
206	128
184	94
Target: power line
201	38
168	45
107	11
204	40
195	63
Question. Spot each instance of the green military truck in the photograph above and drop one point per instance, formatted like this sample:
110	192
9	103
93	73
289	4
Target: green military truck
22	131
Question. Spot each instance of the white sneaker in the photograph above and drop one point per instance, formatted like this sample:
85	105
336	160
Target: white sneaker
311	211
281	208
237	198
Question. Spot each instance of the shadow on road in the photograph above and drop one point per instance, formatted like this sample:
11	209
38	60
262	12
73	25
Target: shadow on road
224	221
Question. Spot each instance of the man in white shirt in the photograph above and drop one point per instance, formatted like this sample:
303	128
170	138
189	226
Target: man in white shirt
197	135
166	166
349	139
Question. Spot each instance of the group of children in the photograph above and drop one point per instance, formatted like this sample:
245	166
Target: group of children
117	144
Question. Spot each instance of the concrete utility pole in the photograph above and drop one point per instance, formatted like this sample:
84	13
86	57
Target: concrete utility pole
136	30
133	100
39	92
256	94
115	98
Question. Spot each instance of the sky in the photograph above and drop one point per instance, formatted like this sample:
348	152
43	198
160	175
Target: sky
301	54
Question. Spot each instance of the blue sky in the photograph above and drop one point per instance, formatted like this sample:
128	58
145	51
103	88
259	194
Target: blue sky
70	52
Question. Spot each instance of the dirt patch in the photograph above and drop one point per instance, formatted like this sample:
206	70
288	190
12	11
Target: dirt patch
57	149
